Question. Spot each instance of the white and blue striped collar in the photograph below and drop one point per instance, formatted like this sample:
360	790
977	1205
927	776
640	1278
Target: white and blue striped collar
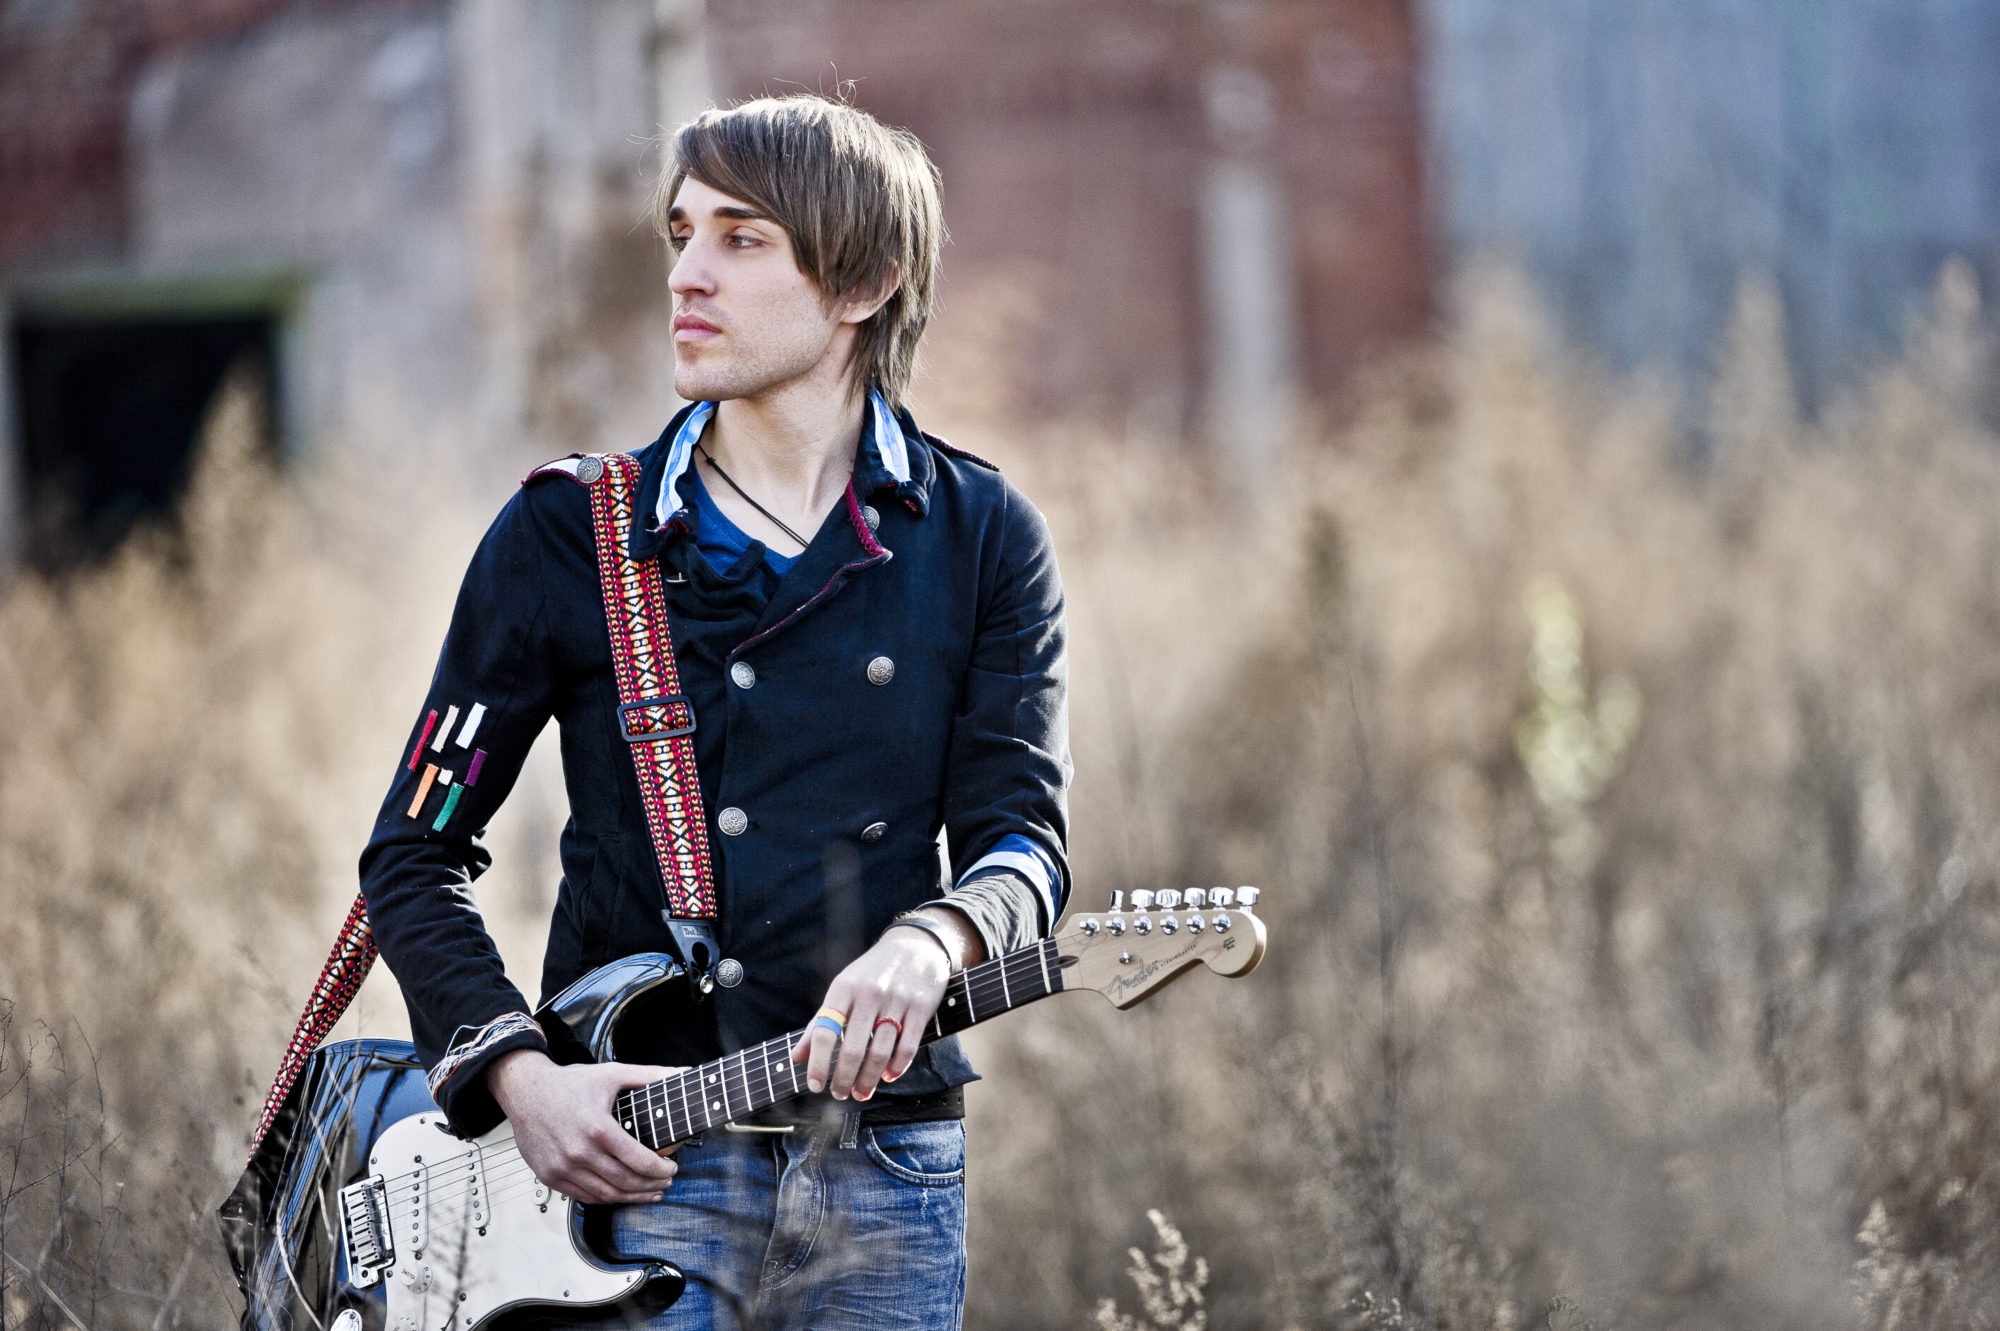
880	427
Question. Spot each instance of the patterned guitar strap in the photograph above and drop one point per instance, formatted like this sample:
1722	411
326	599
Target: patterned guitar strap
655	718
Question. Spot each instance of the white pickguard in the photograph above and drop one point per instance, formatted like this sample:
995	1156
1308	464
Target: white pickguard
475	1233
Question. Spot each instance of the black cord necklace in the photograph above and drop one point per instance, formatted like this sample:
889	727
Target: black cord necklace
730	481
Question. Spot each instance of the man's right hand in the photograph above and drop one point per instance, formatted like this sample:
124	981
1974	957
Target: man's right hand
564	1129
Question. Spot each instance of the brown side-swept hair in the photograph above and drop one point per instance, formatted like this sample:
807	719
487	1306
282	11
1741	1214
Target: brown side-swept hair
858	199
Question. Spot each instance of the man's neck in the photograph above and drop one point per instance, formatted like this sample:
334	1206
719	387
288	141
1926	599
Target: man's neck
792	447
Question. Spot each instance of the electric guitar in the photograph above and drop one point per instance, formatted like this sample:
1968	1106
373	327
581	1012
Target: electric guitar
364	1212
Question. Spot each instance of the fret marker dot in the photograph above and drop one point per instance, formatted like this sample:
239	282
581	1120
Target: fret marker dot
715	1104
656	1113
951	1002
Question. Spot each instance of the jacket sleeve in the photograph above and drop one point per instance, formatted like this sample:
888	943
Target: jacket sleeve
1008	769
488	700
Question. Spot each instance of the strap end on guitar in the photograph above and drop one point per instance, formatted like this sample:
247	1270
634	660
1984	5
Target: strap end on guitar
696	948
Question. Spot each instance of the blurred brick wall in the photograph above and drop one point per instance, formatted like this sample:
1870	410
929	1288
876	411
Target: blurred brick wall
67	69
1072	137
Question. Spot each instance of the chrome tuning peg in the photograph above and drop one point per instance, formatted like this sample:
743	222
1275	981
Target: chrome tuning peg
1168	899
1196	899
1221	898
1117	902
1246	898
1142	899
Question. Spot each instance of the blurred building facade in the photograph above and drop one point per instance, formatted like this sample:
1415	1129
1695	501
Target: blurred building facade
427	216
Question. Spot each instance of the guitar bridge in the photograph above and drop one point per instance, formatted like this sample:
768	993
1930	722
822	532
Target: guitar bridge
364	1223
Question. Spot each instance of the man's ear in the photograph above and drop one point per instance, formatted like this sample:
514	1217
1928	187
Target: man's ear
858	309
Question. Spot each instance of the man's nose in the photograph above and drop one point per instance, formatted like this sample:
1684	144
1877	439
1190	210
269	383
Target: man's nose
690	274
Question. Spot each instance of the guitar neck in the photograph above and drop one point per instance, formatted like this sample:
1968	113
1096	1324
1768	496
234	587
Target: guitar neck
735	1086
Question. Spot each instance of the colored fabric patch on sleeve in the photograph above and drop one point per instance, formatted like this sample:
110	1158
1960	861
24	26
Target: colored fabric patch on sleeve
423	739
445	776
450	803
472	772
472	720
444	731
423	789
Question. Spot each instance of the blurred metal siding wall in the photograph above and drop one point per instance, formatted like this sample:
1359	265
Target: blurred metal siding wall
1640	155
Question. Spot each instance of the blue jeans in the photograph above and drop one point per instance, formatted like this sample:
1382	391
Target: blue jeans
822	1229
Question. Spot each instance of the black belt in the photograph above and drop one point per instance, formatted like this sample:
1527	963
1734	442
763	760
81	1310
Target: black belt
884	1111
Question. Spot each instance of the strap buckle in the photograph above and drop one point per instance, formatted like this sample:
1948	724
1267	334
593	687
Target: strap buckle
625	711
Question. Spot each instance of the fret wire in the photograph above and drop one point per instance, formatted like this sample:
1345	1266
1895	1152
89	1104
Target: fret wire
708	1105
691	1083
686	1108
981	984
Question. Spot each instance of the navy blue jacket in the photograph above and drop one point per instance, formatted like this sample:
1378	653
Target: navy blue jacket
956	587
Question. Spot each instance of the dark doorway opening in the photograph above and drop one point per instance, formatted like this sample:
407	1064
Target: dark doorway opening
110	409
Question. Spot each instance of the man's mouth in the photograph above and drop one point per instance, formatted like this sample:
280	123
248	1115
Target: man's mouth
693	328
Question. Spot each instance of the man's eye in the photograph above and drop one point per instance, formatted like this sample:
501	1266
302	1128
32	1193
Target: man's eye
678	243
744	242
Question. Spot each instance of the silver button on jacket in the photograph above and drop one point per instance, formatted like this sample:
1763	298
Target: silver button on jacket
744	675
881	670
874	831
732	821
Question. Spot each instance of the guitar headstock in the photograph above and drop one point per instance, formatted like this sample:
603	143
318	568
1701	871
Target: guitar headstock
1128	954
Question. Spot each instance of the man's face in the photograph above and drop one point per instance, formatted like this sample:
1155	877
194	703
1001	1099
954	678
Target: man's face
746	320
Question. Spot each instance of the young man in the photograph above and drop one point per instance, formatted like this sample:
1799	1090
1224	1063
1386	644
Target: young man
868	627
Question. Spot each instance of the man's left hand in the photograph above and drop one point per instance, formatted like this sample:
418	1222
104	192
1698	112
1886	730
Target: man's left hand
887	993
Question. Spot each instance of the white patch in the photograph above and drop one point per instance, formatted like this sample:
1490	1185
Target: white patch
472	720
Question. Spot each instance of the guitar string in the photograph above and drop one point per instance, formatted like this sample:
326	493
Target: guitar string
502	1176
685	1082
1029	962
507	1180
646	1104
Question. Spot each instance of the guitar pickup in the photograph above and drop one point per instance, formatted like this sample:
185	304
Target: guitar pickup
364	1223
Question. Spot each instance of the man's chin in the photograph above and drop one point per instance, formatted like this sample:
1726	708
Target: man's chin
708	387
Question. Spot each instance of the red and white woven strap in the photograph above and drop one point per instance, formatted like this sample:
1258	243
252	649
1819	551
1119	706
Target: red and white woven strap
345	969
649	690
651	703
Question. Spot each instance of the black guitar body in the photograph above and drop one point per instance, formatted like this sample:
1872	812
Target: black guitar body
282	1224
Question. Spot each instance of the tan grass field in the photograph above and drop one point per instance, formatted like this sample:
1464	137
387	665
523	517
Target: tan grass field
1627	828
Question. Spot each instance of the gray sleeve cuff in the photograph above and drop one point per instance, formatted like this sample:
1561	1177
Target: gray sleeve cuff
1002	907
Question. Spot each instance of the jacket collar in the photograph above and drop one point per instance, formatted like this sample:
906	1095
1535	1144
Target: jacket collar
893	456
904	467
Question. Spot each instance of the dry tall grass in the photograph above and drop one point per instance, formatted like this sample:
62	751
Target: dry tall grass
1635	909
